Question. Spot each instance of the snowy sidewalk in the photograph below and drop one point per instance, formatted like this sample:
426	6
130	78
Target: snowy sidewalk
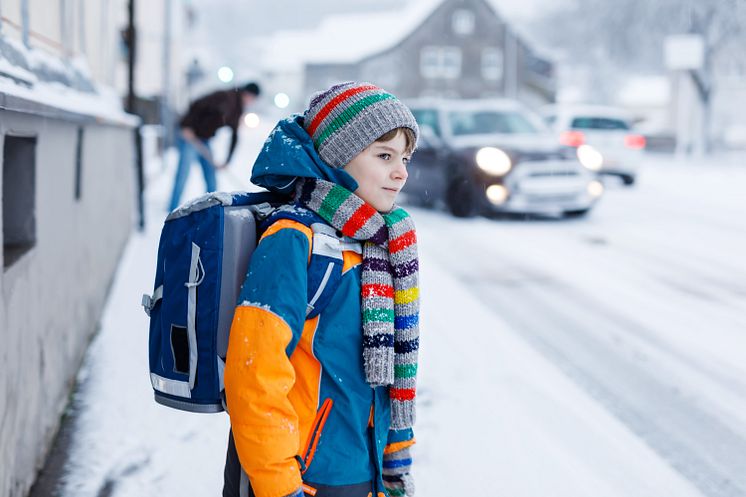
495	418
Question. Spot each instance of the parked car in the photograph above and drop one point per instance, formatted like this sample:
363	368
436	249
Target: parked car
482	156
607	129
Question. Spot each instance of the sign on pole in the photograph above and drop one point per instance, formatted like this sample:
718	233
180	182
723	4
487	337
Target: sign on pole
684	52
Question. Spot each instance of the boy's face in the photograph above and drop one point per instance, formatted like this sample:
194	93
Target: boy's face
381	171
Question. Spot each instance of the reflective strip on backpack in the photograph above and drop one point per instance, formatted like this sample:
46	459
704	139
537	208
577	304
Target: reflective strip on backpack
243	486
195	279
221	373
171	387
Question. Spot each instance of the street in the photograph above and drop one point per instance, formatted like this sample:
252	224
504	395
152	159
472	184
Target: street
585	357
642	306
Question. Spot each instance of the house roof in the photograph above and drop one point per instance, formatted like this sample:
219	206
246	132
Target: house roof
345	38
348	38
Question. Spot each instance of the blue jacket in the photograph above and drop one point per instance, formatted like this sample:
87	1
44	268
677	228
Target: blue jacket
301	410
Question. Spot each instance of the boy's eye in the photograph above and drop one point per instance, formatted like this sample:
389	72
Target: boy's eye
406	160
384	156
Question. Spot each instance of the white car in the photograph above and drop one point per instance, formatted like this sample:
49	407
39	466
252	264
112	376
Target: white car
607	129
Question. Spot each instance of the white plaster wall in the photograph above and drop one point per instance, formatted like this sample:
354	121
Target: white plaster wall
51	299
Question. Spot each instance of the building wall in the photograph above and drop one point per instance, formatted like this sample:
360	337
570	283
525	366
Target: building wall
320	76
437	30
52	297
90	31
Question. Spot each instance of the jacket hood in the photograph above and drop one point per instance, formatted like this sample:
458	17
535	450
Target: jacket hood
289	154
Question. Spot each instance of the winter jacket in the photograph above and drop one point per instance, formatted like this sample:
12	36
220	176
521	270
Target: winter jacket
211	112
301	410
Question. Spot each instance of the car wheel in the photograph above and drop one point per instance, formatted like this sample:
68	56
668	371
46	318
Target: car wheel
460	198
628	180
576	213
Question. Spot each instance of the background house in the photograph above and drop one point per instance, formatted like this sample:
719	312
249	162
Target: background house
449	48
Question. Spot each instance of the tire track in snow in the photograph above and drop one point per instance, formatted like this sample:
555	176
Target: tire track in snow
572	329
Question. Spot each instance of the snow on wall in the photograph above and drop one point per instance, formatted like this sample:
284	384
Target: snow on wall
52	297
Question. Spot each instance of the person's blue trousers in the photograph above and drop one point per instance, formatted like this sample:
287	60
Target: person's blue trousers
187	154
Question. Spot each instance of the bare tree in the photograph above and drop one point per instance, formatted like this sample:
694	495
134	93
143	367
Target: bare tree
617	37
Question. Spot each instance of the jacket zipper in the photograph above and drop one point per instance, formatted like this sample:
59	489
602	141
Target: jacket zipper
324	281
318	426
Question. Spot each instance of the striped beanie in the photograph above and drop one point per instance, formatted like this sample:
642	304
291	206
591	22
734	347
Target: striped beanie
346	118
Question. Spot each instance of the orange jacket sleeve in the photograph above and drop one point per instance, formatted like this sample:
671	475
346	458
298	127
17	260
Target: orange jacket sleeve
267	325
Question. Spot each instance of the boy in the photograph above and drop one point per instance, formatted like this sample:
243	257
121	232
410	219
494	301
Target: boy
325	406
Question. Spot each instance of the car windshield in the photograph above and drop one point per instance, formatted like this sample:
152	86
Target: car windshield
483	122
427	117
598	123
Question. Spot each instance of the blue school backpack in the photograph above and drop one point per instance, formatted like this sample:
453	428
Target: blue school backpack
203	257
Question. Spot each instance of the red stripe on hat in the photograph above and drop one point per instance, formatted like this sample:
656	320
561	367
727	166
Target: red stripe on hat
402	393
377	290
402	242
334	102
358	219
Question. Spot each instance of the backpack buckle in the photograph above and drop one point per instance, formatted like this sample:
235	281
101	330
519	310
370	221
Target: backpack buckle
147	303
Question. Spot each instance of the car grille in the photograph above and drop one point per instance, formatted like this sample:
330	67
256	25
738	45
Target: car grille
544	174
539	156
551	198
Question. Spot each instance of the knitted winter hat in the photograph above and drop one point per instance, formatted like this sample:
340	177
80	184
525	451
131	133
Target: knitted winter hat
346	118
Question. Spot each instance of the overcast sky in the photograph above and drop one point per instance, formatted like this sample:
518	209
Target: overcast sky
224	27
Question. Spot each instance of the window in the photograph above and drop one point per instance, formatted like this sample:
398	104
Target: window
79	164
19	197
489	122
462	22
440	62
598	123
427	117
492	64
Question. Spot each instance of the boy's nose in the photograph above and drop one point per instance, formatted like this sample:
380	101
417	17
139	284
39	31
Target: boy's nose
400	171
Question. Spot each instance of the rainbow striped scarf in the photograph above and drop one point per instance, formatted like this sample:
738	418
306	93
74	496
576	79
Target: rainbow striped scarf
390	292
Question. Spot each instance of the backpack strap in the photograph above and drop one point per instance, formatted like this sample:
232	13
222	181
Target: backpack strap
325	266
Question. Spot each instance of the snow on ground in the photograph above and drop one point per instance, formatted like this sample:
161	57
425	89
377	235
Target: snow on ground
496	416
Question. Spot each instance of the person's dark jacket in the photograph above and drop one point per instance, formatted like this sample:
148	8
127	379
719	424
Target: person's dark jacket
213	111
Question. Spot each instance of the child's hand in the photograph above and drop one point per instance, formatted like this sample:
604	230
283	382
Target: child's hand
188	134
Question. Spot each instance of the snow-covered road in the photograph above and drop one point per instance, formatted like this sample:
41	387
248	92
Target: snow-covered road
642	306
594	357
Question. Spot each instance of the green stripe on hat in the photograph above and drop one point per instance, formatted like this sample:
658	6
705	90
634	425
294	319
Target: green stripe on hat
349	113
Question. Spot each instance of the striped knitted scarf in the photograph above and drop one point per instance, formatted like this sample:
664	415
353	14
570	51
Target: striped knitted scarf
390	292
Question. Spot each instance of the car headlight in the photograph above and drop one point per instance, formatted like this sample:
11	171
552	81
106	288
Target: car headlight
493	161
497	194
590	157
595	188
